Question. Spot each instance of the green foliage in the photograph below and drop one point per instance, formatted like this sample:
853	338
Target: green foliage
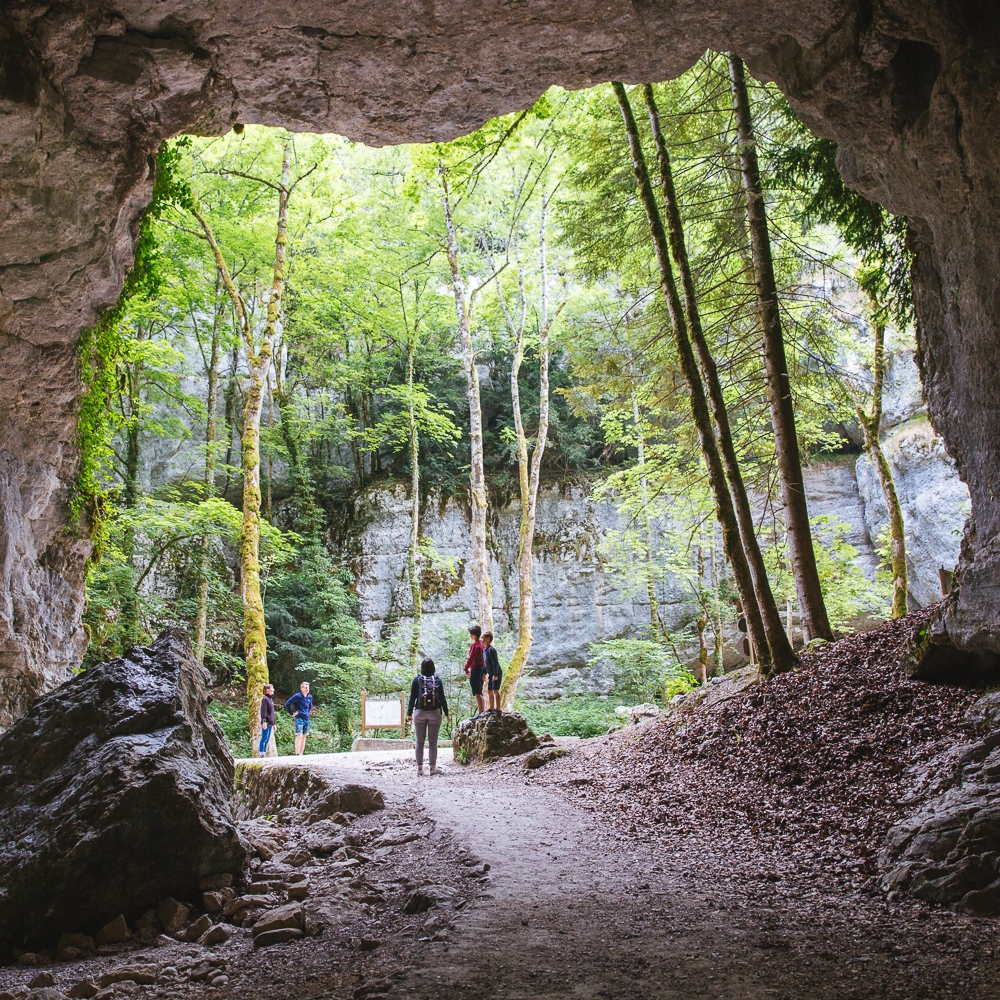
368	285
575	715
846	590
809	165
163	535
644	671
106	346
311	621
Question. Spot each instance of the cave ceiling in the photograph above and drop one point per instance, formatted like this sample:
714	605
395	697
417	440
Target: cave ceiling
88	89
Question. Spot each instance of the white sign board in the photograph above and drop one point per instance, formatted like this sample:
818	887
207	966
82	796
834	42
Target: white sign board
383	714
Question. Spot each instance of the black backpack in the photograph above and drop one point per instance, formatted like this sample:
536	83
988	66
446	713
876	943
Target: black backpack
429	692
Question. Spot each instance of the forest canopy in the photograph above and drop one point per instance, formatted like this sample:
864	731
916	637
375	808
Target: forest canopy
646	290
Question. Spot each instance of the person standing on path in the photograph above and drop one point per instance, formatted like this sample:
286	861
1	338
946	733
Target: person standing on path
475	668
266	719
494	675
300	706
427	705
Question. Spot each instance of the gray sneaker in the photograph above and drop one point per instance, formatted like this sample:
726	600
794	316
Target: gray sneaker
436	770
420	769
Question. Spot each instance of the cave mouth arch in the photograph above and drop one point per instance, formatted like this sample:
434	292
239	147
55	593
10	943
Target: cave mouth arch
88	90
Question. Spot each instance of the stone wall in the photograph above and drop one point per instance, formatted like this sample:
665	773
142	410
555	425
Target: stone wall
88	89
580	599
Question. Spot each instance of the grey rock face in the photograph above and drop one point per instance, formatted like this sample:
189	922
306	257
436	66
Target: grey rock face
491	737
832	490
114	793
578	600
907	89
934	500
948	851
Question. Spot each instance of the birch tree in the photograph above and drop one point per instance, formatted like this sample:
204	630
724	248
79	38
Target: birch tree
258	351
464	301
528	470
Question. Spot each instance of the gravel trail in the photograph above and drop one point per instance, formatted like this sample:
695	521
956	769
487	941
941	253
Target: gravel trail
574	909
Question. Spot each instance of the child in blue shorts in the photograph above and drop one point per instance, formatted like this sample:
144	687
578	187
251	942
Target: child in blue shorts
300	706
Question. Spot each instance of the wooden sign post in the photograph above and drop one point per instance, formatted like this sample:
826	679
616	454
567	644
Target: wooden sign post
383	713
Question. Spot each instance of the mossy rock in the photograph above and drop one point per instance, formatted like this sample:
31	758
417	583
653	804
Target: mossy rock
492	736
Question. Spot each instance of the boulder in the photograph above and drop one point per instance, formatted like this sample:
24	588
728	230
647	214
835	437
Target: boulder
200	926
277	936
490	737
83	990
948	850
144	975
542	756
172	914
265	789
114	792
930	655
114	931
213	902
324	837
219	934
299	891
289	915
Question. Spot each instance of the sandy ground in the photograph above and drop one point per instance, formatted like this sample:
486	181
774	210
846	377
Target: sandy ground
575	911
572	909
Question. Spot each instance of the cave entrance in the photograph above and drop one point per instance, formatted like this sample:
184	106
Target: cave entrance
88	96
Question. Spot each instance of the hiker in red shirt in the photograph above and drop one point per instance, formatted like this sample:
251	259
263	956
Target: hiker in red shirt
475	667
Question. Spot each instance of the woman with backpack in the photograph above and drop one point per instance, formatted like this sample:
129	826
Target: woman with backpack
427	705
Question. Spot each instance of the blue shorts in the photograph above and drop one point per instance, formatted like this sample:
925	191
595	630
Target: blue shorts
301	725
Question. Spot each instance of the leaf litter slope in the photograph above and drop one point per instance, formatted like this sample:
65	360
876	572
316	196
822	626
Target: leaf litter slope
816	764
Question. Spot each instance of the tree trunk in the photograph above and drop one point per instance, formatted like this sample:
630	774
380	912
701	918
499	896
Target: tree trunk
689	369
528	479
204	557
268	496
873	445
477	471
412	566
812	609
782	656
654	608
259	362
129	615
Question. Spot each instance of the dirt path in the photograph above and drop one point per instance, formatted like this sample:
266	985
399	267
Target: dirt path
574	911
572	907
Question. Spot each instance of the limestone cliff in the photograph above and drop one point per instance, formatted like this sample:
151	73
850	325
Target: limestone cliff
88	89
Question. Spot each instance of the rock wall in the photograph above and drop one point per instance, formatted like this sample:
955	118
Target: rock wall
89	88
935	505
577	601
581	599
